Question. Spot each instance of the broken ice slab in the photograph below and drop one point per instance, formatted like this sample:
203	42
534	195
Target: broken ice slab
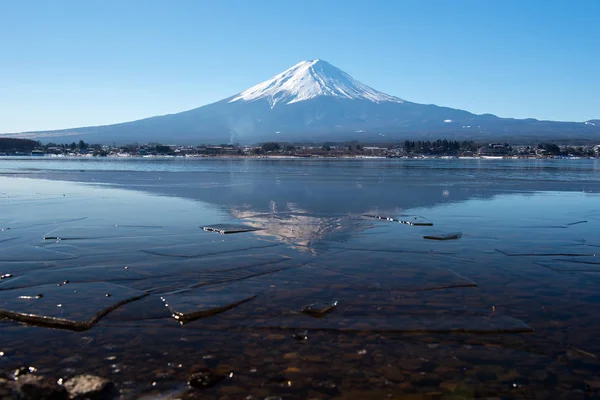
308	277
414	220
25	252
19	267
404	219
397	272
320	309
569	266
209	249
8	239
444	236
76	306
237	275
542	254
385	218
576	223
43	222
226	229
190	305
104	231
95	273
391	247
497	324
581	260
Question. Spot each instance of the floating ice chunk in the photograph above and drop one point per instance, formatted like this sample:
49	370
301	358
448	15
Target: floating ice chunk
404	219
444	236
74	306
226	229
191	305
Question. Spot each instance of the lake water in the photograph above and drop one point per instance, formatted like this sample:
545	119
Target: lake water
107	270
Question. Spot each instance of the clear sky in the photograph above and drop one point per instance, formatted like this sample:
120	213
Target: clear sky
67	64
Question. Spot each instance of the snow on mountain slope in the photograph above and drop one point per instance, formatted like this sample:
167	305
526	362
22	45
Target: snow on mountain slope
310	79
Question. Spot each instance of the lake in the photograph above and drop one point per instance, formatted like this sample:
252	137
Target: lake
107	269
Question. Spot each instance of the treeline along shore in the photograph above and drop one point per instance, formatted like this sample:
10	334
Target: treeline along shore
404	149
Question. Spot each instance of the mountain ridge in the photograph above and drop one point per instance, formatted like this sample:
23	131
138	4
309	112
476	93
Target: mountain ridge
315	101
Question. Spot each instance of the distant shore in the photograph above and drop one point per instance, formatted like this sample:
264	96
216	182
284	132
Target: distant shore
291	157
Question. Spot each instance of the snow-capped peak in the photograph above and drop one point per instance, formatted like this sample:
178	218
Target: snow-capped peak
309	79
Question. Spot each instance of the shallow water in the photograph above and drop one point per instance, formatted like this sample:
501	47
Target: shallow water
508	308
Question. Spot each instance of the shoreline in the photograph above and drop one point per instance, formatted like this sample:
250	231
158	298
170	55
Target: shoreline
288	157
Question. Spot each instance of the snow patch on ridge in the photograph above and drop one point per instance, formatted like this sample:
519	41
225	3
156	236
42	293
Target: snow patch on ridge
310	79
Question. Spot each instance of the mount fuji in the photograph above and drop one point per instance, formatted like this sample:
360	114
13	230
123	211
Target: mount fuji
315	101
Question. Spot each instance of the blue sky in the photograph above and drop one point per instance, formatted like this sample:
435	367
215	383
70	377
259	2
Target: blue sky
78	63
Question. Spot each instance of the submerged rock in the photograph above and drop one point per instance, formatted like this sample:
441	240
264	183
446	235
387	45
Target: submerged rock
204	379
301	336
6	388
328	387
319	309
34	387
90	387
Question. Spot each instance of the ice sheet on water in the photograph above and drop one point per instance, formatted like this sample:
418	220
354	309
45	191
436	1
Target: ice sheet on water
569	266
311	275
220	278
213	271
26	252
581	260
397	272
194	304
545	254
24	224
470	324
94	232
391	247
8	239
149	275
19	267
295	286
76	306
76	275
208	249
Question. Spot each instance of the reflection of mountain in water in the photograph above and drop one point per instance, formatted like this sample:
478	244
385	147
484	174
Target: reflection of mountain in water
299	228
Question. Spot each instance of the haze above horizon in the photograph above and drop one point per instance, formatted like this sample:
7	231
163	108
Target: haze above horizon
70	63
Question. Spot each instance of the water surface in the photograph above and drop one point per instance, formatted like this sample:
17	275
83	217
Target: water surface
116	248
